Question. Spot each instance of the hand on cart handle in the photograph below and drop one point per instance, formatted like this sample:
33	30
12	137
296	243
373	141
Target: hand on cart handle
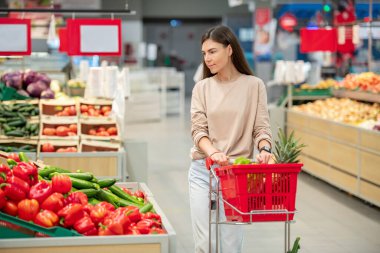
219	157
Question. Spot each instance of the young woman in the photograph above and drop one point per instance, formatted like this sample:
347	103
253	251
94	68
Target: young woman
229	117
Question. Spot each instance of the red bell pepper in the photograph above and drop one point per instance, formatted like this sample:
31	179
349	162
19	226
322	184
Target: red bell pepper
157	231
46	218
3	200
5	172
14	157
54	202
40	191
13	192
144	226
133	231
70	214
152	216
133	213
10	208
139	194
84	225
18	182
76	197
26	171
28	209
107	205
98	213
61	183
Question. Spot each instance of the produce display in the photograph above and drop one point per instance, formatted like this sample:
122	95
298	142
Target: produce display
15	120
79	201
48	147
324	84
367	81
103	131
29	84
18	146
342	110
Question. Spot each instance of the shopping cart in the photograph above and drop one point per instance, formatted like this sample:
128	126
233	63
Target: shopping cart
252	193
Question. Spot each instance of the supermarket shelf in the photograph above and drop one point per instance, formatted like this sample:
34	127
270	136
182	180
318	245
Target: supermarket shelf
357	95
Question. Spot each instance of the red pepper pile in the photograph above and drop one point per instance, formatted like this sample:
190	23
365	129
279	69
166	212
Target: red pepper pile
53	203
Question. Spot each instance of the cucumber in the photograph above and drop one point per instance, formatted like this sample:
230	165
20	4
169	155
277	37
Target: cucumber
121	194
106	182
108	197
23	157
146	208
16	123
47	170
83	176
93	201
89	192
6	128
83	184
15	133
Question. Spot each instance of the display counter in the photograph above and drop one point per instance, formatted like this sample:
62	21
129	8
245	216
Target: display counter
160	243
345	156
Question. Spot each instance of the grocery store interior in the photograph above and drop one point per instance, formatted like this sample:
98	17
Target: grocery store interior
96	95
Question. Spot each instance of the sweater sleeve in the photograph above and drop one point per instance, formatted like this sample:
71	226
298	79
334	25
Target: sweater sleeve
199	126
262	129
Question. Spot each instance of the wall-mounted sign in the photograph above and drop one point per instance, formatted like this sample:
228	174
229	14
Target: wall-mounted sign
94	37
63	40
313	40
288	21
15	36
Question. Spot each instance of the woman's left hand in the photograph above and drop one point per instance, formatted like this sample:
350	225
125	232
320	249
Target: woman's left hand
264	157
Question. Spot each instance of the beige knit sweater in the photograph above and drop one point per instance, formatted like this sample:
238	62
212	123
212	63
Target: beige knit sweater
233	115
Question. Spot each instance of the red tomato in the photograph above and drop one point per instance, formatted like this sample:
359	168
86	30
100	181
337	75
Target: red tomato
92	132
71	134
100	129
65	113
84	113
107	113
105	108
10	208
61	183
102	133
91	111
62	131
96	113
83	108
112	130
47	147
72	111
14	156
54	202
28	209
46	218
61	150
71	149
73	128
49	131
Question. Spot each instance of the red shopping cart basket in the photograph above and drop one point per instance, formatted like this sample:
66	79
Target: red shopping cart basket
259	187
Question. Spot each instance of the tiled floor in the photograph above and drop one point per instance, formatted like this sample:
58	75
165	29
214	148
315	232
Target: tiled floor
329	220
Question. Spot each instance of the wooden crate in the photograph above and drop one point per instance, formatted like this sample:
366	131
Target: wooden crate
54	122
18	142
58	144
50	107
97	103
87	124
101	164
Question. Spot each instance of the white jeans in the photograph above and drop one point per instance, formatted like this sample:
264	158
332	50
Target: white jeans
231	236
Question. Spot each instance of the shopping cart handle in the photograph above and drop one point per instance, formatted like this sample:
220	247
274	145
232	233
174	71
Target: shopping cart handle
209	163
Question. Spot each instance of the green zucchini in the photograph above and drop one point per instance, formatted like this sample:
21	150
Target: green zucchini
83	184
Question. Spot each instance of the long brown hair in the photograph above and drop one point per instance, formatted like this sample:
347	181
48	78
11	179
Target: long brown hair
225	36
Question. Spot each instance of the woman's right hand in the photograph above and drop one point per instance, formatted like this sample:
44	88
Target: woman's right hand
220	158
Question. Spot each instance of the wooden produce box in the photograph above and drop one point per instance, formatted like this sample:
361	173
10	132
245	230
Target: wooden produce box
52	108
101	164
55	123
158	243
109	126
343	155
99	146
59	146
95	108
33	102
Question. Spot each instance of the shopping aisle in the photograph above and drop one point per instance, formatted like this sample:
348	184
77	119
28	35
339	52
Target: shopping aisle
329	220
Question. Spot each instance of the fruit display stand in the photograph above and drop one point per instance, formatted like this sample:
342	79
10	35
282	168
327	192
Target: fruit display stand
157	243
343	155
52	108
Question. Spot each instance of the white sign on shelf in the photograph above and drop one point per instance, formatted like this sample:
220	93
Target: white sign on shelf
99	38
13	38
